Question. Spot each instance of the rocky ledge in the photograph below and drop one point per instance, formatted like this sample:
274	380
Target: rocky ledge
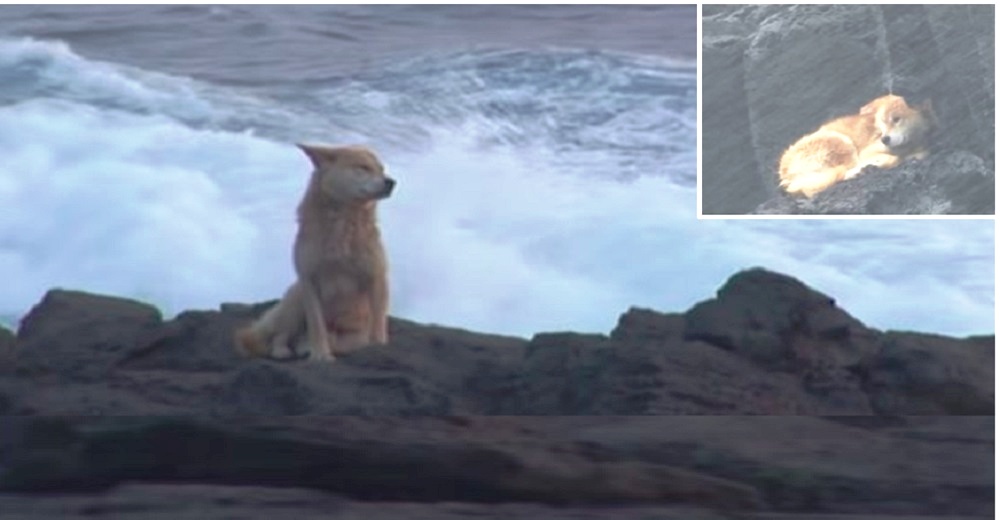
767	344
670	468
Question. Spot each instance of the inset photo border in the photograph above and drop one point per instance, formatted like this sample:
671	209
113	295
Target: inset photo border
832	110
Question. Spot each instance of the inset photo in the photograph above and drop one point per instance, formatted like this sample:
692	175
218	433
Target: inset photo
847	110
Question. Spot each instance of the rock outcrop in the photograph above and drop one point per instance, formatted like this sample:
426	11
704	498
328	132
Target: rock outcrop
766	399
775	73
497	467
766	344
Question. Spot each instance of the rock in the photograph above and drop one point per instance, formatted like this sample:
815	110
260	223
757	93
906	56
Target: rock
736	466
646	324
425	370
766	71
7	341
782	325
163	449
947	183
79	336
223	502
766	344
194	341
779	322
266	388
592	375
726	133
923	374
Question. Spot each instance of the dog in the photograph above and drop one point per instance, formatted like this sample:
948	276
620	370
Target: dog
340	299
883	134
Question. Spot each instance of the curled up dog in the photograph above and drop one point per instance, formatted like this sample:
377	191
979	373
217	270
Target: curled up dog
884	133
339	301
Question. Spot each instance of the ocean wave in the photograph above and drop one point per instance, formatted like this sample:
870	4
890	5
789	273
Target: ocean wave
514	213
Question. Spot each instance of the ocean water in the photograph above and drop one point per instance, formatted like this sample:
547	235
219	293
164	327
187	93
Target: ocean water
545	158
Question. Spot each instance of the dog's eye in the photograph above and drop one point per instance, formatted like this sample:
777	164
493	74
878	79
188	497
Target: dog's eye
895	119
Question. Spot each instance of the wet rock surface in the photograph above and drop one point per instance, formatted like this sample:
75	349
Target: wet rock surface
765	401
497	467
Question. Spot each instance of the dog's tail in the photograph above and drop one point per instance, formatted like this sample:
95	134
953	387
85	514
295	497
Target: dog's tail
249	342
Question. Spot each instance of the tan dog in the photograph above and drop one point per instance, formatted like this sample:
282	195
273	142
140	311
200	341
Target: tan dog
884	133
341	298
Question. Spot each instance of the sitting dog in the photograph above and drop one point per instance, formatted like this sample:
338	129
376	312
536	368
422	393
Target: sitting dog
340	299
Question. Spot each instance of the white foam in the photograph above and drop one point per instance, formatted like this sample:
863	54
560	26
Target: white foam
136	205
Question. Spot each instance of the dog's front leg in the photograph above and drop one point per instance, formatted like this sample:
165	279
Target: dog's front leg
379	313
319	341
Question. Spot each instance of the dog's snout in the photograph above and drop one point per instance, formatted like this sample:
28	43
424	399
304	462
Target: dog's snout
886	140
388	185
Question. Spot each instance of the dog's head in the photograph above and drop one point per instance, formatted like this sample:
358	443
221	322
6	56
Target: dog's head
898	123
348	173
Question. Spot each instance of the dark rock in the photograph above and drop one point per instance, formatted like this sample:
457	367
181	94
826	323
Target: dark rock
592	375
923	374
946	183
425	370
646	324
193	341
775	73
7	344
184	450
767	466
779	322
767	344
726	133
80	336
265	388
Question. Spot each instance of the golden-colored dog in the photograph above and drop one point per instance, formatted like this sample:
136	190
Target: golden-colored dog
884	133
340	300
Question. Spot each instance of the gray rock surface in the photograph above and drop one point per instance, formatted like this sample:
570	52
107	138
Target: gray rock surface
402	430
925	374
497	467
775	73
766	344
7	341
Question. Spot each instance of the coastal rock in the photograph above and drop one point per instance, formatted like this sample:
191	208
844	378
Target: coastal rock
945	183
76	336
924	374
7	341
767	344
542	467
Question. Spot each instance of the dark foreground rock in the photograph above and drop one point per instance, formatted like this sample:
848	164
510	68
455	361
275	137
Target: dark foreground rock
775	73
504	467
956	183
766	344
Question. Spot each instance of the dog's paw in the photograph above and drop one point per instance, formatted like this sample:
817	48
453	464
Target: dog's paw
281	351
321	355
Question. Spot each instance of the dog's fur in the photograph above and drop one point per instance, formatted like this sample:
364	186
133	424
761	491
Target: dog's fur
340	300
884	133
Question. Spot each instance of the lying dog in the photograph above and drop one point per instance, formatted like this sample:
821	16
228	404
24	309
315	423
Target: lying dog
340	300
884	133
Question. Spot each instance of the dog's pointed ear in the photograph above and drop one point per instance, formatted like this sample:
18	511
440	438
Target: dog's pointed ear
928	109
870	108
319	155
